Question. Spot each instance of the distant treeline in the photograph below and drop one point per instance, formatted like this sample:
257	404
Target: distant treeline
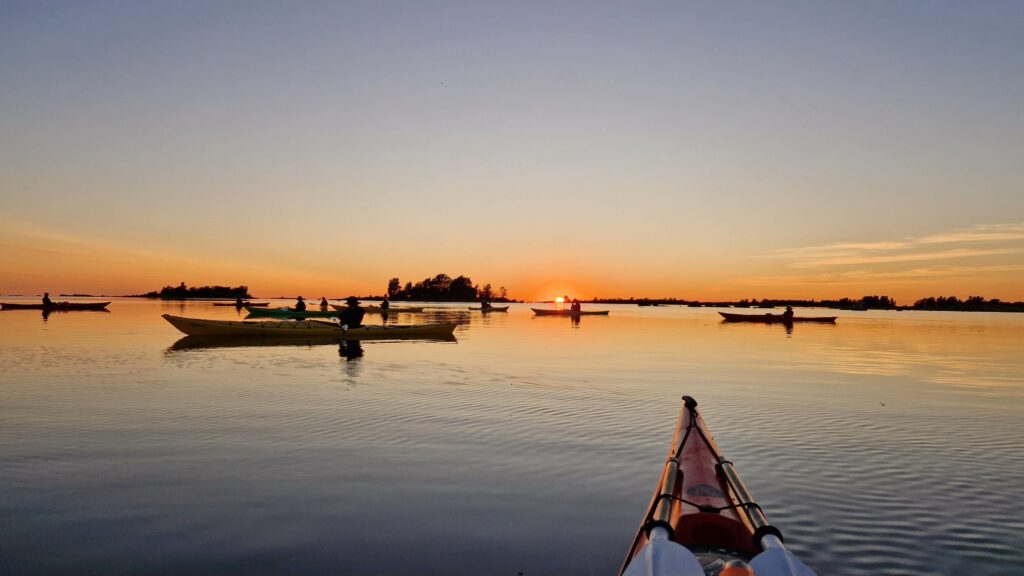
183	292
444	288
865	303
862	303
971	304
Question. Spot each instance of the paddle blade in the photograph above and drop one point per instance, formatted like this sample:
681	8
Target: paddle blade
777	561
663	557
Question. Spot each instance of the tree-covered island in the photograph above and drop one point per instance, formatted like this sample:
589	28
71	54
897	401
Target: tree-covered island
183	292
444	288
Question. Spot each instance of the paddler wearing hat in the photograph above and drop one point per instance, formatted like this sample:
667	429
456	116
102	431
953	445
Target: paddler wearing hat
352	317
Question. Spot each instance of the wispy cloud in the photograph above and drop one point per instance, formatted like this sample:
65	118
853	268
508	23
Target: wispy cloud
983	233
977	258
866	275
979	241
861	259
31	251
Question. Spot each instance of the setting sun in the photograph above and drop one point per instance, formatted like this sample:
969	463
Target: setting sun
560	300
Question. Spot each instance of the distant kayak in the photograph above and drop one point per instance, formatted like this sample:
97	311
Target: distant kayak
702	517
378	309
491	309
58	306
244	304
291	313
543	312
303	328
775	318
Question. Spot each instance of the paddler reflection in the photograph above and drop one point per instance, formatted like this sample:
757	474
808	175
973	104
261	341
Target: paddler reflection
350	350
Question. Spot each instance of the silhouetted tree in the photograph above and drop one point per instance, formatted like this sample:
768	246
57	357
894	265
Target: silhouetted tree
439	288
485	293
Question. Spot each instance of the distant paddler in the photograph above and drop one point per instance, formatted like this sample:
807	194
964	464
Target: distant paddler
300	304
351	317
384	305
576	306
238	302
323	304
47	303
787	316
485	305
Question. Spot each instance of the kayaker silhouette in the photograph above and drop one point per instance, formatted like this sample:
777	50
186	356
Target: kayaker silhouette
238	302
300	304
576	306
323	303
46	300
787	316
353	315
385	304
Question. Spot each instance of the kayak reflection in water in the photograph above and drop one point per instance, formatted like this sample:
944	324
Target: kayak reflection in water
350	350
323	303
352	317
300	304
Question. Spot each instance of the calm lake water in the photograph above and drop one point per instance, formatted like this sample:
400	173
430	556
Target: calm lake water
890	443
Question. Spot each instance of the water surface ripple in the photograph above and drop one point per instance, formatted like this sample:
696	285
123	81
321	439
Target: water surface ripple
890	443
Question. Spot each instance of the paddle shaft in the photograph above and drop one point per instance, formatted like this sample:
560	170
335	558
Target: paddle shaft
775	560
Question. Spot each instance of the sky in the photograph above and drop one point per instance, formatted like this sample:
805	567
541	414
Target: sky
600	149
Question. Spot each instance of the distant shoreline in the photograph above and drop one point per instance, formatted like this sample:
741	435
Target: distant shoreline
931	304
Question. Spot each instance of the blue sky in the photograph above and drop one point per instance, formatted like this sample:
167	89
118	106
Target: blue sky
607	148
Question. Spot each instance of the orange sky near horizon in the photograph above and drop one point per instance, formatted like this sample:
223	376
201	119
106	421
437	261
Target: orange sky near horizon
981	261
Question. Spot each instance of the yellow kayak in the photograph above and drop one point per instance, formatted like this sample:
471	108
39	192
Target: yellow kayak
304	328
203	342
